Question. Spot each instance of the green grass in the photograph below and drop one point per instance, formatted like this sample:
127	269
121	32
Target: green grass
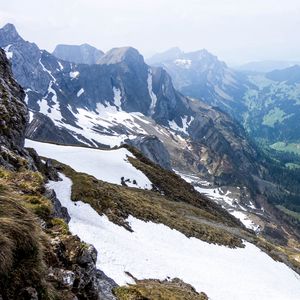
274	115
292	166
286	147
294	214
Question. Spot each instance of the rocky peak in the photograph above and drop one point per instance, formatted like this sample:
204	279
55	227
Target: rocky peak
123	54
80	54
9	34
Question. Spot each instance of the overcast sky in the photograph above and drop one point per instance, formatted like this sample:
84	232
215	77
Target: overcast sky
236	30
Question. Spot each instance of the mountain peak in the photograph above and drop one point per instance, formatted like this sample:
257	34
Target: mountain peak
170	54
9	34
118	55
80	54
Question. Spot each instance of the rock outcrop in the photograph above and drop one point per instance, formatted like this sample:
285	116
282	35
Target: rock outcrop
153	149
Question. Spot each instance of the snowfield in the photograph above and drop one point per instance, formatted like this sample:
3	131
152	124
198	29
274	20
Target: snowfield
156	251
106	165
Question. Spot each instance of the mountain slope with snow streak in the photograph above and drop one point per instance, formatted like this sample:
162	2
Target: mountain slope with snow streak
106	165
155	251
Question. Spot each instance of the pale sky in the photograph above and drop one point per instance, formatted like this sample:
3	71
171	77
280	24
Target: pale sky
237	31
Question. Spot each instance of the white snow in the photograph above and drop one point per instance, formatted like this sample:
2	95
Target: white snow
184	63
31	114
60	65
46	70
52	111
117	96
106	165
156	251
80	92
9	54
185	124
245	220
216	194
106	116
74	74
151	93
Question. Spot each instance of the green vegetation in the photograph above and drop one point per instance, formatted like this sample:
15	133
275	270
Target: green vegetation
294	214
274	115
25	248
286	147
158	290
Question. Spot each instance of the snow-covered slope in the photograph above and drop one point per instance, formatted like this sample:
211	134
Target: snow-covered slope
106	165
155	251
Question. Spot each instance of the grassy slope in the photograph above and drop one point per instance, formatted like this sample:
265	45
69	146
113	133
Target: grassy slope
175	208
26	250
159	290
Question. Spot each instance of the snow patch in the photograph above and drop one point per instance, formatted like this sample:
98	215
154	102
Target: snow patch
9	54
52	111
117	96
185	124
80	92
60	65
151	93
46	70
74	74
156	251
106	165
183	63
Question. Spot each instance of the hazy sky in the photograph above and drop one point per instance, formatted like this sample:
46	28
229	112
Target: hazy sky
235	30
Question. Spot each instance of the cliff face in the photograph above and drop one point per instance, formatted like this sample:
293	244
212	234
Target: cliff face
13	114
39	257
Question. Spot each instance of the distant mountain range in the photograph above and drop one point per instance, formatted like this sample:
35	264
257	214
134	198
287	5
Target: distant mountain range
267	104
266	66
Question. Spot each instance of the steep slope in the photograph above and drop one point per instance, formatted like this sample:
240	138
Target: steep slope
39	258
13	115
201	75
79	54
97	208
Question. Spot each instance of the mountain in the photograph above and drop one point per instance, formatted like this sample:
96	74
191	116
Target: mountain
117	99
266	66
40	258
79	54
59	210
123	100
201	75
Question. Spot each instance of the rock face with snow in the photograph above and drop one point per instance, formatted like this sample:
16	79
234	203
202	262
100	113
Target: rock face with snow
117	99
79	54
